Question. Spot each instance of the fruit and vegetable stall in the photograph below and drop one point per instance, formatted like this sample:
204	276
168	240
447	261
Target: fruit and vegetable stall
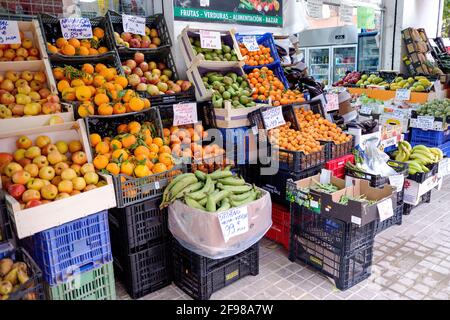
113	167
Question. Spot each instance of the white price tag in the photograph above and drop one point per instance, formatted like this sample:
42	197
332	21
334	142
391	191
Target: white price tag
9	32
366	110
79	28
157	185
425	122
325	176
444	168
184	113
385	209
233	222
273	118
403	95
332	102
250	43
399	113
210	39
397	181
133	24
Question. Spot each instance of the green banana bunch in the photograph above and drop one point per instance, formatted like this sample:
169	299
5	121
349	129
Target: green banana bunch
404	151
419	157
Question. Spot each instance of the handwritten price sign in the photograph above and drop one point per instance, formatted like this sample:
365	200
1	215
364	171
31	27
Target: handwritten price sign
9	32
210	39
273	118
250	43
133	24
79	28
184	113
233	222
403	95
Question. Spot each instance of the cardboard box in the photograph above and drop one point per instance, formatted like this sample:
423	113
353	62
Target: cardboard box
228	38
414	190
30	221
359	213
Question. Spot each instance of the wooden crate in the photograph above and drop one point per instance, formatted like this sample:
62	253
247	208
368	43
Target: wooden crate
228	37
30	221
228	117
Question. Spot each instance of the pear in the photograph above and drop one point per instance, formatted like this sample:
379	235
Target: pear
5	287
20	265
22	276
5	266
12	276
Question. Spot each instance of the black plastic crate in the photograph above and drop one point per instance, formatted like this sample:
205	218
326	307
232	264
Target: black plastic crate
340	237
420	177
200	276
6	232
140	225
408	208
156	21
32	289
396	219
346	271
377	181
51	31
276	184
145	271
166	112
335	151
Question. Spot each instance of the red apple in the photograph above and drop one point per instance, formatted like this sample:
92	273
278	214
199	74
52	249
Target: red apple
131	64
135	43
44	93
33	203
143	66
138	71
16	190
126	36
161	66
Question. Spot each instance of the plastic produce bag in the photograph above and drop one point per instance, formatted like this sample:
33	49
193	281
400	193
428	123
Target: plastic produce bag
375	161
200	231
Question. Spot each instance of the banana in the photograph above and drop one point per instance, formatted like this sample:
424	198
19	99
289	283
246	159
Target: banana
425	169
428	156
407	145
420	158
420	147
438	152
414	166
401	156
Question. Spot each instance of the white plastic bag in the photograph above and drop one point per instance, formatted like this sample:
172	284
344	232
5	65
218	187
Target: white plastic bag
375	161
200	231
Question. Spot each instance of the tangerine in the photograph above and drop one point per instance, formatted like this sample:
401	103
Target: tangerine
120	155
100	162
113	168
159	168
95	139
102	147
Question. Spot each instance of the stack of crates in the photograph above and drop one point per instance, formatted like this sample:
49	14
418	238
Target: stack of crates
76	259
281	225
141	244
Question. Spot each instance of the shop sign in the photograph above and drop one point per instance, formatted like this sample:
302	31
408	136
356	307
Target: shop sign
9	32
79	28
133	24
233	222
268	13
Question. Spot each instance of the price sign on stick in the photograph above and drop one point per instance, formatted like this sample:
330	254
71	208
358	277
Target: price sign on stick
79	28
332	102
250	43
210	39
273	118
184	113
9	32
133	24
233	222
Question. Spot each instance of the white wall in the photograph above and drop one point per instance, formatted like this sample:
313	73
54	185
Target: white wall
422	14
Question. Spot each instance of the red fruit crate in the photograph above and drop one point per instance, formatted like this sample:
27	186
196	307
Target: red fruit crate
337	166
281	225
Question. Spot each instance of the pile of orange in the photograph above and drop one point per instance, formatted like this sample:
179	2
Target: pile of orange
99	88
267	86
286	138
185	141
319	128
133	151
83	47
256	58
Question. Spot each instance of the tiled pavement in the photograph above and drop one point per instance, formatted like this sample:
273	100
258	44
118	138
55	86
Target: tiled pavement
411	261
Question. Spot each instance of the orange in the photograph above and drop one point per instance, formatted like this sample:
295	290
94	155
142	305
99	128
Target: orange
99	81
76	83
93	52
159	168
123	128
86	109
102	147
98	32
136	104
68	94
154	148
83	51
87	79
153	156
107	74
147	103
129	94
83	93
148	140
127	168
63	84
95	139
58	73
51	48
123	81
113	168
105	109
100	99
158	141
141	150
102	50
100	162
165	149
88	68
141	171
93	90
166	132
165	158
85	43
74	42
115	144
99	67
68	50
118	108
120	155
61	42
134	127
128	141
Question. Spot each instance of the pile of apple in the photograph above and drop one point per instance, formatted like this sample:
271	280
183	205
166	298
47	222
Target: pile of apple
23	51
155	78
44	172
151	39
26	94
351	78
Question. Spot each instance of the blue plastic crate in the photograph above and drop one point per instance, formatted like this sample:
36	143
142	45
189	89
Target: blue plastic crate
445	149
429	138
72	248
267	41
390	149
277	70
239	142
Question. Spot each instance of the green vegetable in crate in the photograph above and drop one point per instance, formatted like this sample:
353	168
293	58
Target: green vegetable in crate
214	192
325	187
229	87
436	108
226	53
418	157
